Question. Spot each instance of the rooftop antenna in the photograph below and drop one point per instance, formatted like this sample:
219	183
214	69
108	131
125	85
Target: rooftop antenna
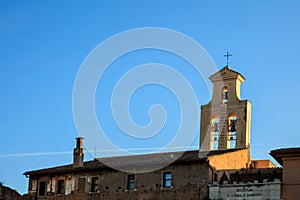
95	152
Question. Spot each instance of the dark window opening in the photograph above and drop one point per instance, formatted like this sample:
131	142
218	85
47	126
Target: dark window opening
81	185
42	188
131	182
60	187
95	184
225	95
215	177
167	179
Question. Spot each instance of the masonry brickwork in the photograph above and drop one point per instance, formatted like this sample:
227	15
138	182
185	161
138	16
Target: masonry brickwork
188	182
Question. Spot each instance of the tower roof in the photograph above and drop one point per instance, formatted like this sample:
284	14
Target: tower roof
226	74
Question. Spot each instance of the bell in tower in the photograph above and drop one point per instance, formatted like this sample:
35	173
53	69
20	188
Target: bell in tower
233	113
232	125
216	126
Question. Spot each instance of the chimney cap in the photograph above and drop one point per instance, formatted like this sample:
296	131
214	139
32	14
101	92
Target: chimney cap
79	142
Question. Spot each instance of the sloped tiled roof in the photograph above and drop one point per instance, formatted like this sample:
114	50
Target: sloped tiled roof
134	160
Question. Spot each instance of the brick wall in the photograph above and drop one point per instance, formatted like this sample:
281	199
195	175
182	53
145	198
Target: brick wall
189	181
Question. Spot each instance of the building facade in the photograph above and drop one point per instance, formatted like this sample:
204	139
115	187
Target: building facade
186	178
289	158
224	147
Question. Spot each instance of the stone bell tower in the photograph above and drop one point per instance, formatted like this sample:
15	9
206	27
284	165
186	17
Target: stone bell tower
225	120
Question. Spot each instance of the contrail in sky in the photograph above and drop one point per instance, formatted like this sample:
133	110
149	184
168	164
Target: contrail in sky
112	150
97	151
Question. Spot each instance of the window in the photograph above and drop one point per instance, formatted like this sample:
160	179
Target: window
131	182
60	187
95	184
232	128
215	133
225	95
167	179
215	177
42	188
81	185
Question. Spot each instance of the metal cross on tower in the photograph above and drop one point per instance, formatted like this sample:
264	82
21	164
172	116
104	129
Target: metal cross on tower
227	57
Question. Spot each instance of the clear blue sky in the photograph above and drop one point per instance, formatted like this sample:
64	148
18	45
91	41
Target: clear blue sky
43	43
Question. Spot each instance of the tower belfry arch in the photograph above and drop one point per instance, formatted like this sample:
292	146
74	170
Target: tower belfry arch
234	114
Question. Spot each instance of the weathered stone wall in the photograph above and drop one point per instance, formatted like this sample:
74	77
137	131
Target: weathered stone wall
229	161
189	181
242	109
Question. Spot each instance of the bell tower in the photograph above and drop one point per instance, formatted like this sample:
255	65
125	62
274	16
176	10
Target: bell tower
225	120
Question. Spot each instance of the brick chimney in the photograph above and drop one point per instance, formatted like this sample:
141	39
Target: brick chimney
78	153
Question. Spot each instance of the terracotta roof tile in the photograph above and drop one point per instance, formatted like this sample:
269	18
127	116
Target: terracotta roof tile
133	160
